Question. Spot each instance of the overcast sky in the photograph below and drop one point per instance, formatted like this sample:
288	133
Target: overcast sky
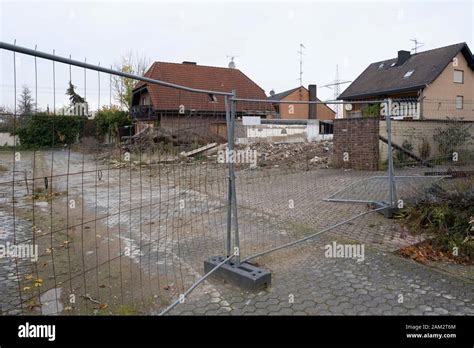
265	37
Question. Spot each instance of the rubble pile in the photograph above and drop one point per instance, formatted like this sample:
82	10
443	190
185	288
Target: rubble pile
294	155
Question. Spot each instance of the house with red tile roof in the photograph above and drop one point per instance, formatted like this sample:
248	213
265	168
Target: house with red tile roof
177	109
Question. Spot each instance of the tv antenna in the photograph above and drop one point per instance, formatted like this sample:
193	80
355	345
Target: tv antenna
301	63
231	64
418	44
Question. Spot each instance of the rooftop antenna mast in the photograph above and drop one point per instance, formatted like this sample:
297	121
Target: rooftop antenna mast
418	44
301	63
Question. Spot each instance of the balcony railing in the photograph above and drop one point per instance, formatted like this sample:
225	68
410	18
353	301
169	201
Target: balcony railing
141	112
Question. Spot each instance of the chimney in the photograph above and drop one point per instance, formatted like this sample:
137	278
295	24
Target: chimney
403	57
189	63
312	110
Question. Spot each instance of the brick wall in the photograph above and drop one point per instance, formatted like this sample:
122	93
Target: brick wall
301	111
358	137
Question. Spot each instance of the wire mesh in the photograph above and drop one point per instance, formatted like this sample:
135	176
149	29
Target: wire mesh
124	210
102	217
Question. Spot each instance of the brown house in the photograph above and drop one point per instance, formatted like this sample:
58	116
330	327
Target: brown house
434	84
176	109
301	111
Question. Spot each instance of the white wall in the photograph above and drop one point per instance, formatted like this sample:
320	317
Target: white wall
282	132
6	138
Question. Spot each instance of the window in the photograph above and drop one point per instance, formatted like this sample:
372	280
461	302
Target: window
459	102
146	100
408	74
458	76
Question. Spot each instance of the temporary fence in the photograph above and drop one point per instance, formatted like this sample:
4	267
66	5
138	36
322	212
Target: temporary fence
117	217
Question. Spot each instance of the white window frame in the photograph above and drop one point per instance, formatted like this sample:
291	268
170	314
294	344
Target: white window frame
459	99
462	76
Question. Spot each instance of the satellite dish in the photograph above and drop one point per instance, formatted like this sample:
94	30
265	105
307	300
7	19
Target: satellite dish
272	92
231	63
348	107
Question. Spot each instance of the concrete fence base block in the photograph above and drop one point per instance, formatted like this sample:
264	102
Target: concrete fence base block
246	276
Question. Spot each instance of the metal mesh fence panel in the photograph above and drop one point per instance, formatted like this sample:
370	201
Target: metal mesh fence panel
104	215
109	209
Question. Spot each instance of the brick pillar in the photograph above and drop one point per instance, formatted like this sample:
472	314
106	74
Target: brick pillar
357	140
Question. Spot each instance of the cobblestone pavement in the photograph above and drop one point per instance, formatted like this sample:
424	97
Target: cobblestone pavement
383	284
275	207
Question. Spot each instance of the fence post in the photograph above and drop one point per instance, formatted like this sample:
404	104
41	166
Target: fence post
230	142
391	180
229	180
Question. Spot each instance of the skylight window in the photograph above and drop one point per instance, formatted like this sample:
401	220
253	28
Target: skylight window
408	73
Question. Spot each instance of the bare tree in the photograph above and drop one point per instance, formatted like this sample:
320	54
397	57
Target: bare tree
131	64
26	103
5	110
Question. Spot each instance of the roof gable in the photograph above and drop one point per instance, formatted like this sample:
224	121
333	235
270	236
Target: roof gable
283	95
386	76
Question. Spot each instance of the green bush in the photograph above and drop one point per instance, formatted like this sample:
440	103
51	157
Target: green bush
371	110
109	119
451	138
44	130
7	124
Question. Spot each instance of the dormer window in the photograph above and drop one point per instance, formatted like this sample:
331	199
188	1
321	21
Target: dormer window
408	74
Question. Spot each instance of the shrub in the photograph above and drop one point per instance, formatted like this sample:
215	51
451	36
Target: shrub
424	149
44	130
110	119
450	139
371	110
447	214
